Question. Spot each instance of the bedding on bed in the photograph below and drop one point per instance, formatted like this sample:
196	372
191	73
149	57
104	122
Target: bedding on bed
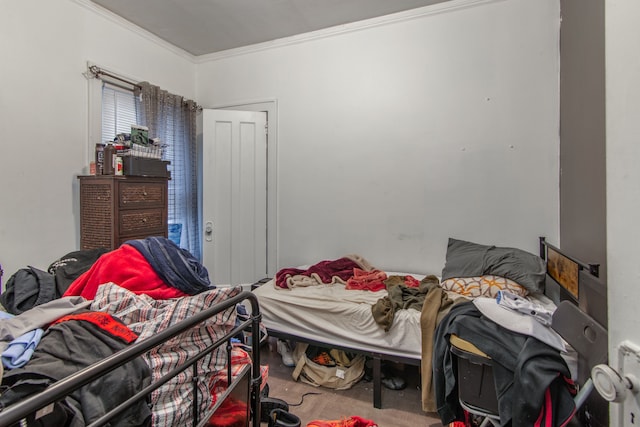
72	343
401	297
128	268
79	333
389	313
154	266
146	316
327	271
483	286
145	286
468	259
333	314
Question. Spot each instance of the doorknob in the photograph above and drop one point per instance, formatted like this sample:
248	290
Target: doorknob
621	384
612	386
208	231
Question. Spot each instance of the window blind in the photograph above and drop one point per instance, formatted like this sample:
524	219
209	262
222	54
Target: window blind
118	111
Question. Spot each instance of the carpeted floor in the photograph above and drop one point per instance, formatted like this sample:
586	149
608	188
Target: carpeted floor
400	408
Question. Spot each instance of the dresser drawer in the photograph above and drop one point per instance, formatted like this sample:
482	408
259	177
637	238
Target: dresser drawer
117	208
123	239
142	220
142	194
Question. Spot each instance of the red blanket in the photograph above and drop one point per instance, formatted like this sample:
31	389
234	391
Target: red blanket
324	271
126	267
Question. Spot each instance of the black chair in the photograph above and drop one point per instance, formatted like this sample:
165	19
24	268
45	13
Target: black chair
478	397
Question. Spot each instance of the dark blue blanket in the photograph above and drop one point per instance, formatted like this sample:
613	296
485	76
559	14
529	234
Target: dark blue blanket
176	266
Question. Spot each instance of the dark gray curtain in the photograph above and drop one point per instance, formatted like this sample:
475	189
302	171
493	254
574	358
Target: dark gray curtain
172	118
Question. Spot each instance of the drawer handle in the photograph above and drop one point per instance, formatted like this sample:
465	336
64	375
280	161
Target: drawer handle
144	219
144	193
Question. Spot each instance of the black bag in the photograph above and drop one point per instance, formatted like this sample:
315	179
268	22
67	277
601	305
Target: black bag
27	288
69	267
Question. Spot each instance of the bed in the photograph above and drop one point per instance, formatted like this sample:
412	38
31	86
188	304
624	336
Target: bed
126	356
330	315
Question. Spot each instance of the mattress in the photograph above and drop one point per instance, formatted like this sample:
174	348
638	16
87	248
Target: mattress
331	314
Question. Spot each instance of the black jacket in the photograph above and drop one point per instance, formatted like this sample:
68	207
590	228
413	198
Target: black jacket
531	378
66	348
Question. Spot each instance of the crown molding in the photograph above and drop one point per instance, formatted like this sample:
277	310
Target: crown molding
118	20
435	9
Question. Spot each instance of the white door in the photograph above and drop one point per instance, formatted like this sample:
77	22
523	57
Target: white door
622	35
234	201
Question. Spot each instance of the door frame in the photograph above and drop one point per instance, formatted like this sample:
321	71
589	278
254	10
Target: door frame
270	106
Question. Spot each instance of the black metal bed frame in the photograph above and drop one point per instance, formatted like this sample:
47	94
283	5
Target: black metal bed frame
591	298
593	268
19	411
561	282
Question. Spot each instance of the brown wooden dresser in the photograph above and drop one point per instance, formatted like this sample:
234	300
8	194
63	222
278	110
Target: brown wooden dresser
114	209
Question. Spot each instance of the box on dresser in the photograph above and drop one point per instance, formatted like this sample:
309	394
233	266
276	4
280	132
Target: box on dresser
140	166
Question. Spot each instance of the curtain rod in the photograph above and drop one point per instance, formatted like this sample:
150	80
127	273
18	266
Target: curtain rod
97	72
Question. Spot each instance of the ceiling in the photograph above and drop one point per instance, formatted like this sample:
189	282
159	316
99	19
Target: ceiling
202	27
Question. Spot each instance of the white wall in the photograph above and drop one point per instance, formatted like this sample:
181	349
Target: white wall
623	178
393	138
375	127
44	47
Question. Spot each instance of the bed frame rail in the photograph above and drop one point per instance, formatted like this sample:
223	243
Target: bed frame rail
15	413
579	283
565	270
594	269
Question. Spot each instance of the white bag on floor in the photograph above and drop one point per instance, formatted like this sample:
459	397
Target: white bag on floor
347	370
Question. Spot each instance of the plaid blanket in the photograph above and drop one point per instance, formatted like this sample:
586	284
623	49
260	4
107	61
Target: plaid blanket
147	317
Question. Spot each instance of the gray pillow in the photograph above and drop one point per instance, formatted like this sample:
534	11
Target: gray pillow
467	259
464	259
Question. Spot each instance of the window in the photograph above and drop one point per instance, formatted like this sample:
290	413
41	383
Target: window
118	111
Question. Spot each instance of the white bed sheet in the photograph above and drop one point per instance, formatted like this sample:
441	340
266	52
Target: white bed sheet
334	315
